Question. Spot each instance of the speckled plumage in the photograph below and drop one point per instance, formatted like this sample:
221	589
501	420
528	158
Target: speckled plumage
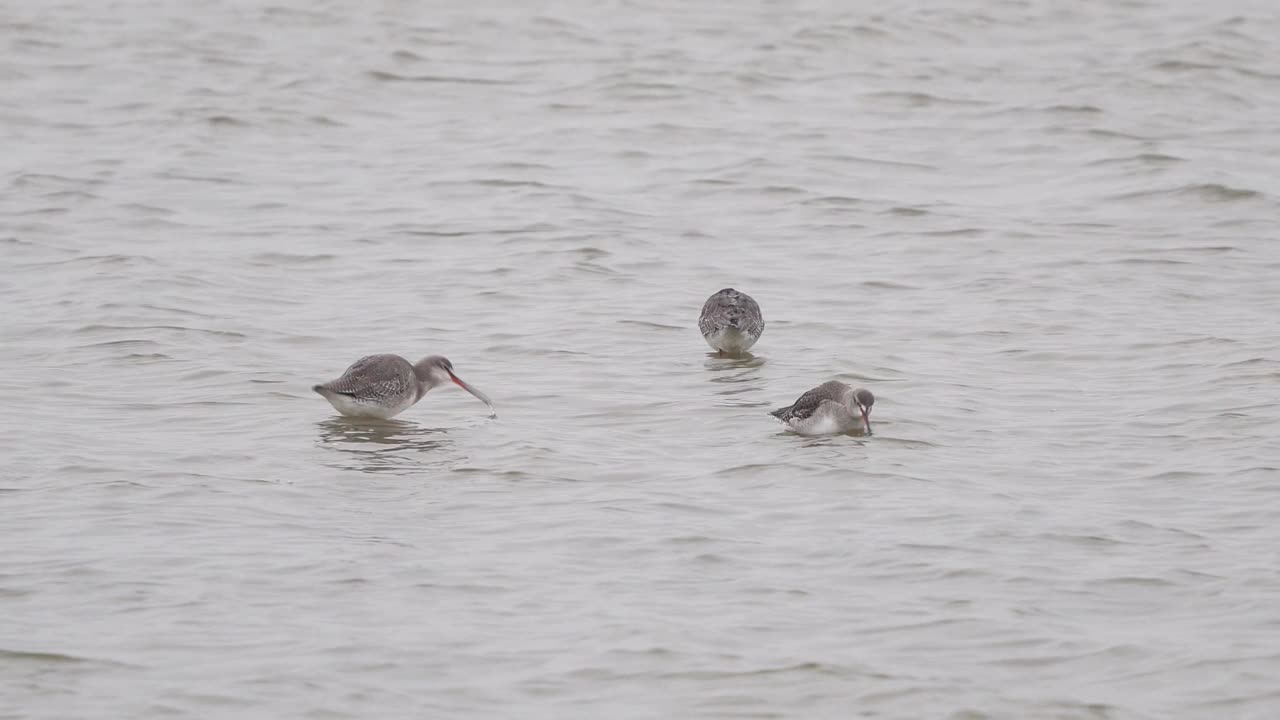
383	386
830	408
377	378
731	321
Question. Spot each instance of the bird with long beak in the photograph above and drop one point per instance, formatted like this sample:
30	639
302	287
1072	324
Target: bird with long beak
831	408
383	386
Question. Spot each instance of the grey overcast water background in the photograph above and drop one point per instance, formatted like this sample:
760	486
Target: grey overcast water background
1044	233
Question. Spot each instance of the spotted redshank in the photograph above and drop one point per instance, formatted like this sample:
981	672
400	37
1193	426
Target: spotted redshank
829	409
731	322
383	386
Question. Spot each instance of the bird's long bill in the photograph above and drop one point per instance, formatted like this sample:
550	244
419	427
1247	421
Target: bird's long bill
479	395
866	421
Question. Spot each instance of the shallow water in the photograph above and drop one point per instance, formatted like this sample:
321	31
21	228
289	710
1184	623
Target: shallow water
1044	234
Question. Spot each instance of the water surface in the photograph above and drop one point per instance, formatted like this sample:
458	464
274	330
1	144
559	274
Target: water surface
1044	234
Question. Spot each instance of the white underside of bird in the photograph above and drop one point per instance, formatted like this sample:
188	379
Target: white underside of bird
354	407
829	419
730	340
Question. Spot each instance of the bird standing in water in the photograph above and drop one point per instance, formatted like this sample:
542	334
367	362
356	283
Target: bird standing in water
383	386
731	322
831	408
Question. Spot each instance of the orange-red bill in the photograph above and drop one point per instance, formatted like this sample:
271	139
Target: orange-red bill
479	395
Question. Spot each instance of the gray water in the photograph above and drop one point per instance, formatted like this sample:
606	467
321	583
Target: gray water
1043	233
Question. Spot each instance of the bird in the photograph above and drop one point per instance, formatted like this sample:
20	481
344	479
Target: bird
383	386
731	322
831	408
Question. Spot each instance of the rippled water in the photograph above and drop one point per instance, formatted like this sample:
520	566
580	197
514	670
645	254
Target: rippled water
1043	233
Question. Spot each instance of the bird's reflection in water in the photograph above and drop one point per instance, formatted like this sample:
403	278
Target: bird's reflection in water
738	375
371	445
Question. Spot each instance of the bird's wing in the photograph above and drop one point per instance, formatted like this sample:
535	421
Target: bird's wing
749	319
731	308
807	404
715	314
374	376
